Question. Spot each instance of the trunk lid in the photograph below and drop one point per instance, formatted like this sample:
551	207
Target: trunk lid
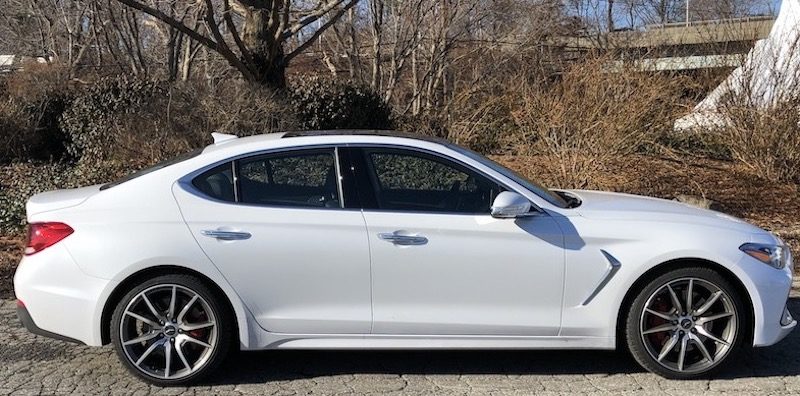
59	199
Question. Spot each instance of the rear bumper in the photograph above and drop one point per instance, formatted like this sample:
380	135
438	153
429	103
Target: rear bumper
59	300
26	320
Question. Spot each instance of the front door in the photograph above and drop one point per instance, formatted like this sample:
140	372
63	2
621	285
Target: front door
280	236
441	265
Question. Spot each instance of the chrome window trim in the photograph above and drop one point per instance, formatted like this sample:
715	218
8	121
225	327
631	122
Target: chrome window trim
186	184
338	167
536	209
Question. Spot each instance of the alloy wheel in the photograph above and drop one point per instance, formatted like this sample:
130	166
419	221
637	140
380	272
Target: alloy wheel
688	325
168	331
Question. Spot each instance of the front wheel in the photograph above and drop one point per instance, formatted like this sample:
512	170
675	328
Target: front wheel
171	330
686	323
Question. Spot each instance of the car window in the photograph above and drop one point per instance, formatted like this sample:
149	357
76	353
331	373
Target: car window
410	181
217	182
297	179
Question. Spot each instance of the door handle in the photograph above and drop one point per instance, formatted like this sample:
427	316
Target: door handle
403	240
226	235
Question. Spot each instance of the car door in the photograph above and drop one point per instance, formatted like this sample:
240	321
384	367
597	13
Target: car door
275	226
441	264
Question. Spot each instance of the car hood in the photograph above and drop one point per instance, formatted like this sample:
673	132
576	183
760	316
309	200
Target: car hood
617	206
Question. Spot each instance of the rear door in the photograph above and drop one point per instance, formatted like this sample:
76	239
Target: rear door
276	227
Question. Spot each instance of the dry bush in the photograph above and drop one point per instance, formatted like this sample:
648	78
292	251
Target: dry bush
593	115
766	140
757	113
480	121
234	107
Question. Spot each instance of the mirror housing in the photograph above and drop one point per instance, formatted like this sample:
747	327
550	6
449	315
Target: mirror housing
510	205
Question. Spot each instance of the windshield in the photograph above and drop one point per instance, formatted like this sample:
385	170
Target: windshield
160	165
534	187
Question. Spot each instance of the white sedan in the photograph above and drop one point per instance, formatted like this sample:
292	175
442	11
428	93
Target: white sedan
366	240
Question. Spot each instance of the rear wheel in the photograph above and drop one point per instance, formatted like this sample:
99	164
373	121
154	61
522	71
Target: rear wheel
171	330
686	323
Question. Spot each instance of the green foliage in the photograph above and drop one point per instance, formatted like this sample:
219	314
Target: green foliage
330	104
29	128
20	181
89	119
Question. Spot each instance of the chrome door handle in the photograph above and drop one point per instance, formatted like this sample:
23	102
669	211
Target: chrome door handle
226	235
403	240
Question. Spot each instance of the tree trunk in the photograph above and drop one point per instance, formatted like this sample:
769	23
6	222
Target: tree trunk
610	15
266	58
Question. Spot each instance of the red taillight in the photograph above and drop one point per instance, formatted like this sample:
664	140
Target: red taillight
44	235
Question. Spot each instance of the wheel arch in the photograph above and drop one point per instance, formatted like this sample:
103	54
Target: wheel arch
674	264
128	283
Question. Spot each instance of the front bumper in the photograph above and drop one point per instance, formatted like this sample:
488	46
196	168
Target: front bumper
770	295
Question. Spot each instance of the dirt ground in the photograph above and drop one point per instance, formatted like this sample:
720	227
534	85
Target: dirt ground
732	188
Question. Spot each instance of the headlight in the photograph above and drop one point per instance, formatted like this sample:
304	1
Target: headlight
773	255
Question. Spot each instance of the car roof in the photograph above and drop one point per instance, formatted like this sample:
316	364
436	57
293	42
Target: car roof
232	143
364	132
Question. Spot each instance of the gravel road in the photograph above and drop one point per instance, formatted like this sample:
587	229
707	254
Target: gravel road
35	365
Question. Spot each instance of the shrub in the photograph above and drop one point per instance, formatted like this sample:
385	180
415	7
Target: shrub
90	119
766	140
20	181
330	104
233	107
592	116
30	110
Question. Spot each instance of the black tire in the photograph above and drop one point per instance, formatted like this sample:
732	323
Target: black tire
644	347
221	333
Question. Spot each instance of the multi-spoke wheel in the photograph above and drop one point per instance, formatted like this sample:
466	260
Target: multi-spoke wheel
170	330
685	323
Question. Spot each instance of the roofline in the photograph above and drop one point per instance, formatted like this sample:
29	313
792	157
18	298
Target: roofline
365	132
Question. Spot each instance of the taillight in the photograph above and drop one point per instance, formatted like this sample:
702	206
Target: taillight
44	235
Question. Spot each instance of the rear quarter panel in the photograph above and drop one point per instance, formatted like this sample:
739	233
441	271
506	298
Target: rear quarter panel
132	227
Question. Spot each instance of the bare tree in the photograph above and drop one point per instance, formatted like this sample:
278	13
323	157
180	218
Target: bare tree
252	35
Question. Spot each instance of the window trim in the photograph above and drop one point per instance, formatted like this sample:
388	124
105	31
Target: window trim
363	149
186	182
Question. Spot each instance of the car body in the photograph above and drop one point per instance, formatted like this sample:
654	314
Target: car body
314	247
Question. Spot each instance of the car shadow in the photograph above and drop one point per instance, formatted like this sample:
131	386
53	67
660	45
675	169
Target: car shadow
782	359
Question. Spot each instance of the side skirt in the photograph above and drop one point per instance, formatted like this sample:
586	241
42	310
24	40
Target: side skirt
379	341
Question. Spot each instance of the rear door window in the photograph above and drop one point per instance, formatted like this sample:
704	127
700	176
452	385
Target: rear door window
301	179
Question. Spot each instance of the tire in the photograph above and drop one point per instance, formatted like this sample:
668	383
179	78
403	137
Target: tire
710	333
196	337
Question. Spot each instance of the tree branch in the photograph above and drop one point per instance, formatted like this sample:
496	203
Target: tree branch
218	46
235	33
321	29
313	17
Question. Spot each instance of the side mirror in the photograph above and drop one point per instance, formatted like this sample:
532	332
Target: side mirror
510	205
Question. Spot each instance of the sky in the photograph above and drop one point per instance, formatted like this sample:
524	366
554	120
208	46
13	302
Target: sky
622	20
